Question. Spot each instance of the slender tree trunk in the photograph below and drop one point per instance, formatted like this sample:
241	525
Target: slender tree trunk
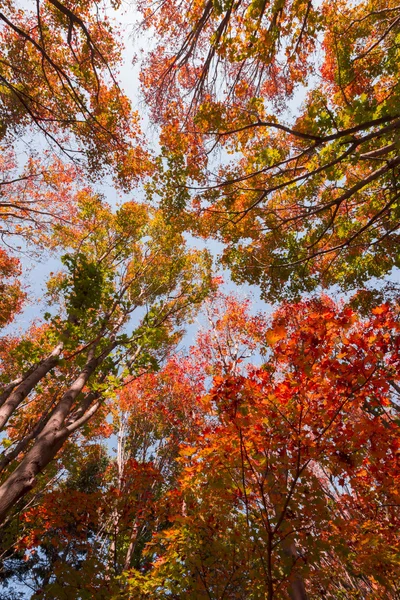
133	539
113	558
16	395
297	590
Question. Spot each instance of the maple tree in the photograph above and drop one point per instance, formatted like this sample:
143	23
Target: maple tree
94	522
292	485
58	85
301	192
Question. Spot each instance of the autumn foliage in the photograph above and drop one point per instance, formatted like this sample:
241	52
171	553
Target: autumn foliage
279	135
236	479
163	437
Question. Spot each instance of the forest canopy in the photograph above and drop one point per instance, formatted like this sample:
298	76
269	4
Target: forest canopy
161	435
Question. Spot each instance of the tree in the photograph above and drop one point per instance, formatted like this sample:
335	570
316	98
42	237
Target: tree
57	85
55	536
263	482
58	79
292	486
263	463
95	515
93	520
62	373
298	200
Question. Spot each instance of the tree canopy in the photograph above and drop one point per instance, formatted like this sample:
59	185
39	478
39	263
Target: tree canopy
282	122
161	437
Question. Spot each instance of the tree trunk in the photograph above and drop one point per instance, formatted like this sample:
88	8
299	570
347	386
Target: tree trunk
23	479
17	395
297	590
46	446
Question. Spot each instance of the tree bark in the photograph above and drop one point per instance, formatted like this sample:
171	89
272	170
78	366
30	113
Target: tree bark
46	446
297	590
17	395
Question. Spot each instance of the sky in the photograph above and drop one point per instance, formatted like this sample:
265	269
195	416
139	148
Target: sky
36	272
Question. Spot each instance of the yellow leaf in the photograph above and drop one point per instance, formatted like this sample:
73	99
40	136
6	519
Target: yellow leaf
275	334
189	451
